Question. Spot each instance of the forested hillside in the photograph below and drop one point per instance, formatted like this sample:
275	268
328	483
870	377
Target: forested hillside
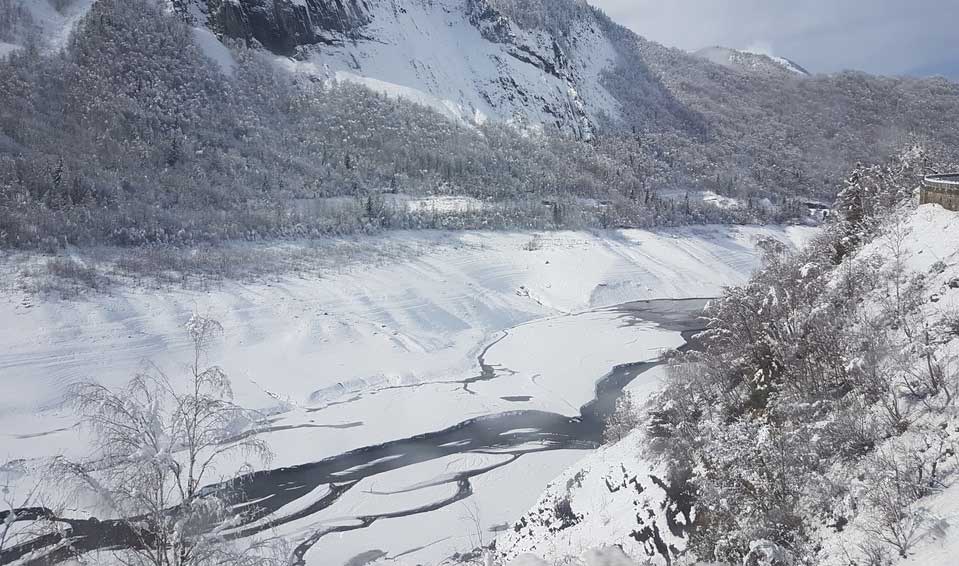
132	134
814	421
819	421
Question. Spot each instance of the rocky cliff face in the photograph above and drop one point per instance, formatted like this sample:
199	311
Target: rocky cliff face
464	58
535	66
280	25
613	497
536	48
541	49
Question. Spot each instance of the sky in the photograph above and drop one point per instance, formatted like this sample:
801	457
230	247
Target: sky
890	37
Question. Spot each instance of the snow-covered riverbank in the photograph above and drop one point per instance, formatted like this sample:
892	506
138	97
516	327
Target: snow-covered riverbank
379	353
617	496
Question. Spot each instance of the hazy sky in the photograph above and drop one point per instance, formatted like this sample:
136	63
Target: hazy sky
879	36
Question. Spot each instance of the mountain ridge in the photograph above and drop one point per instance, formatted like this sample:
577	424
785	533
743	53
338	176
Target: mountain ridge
469	59
571	120
751	61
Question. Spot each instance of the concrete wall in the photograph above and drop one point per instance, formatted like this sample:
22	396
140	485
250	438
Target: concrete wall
942	190
949	199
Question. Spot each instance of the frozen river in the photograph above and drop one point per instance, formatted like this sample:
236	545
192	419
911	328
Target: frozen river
428	474
419	395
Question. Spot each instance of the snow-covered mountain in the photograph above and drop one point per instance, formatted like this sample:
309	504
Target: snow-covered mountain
471	60
52	22
561	65
752	61
464	58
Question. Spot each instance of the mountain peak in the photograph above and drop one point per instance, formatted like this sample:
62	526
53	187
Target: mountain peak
752	61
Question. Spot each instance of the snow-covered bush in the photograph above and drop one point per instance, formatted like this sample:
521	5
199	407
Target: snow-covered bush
818	400
624	419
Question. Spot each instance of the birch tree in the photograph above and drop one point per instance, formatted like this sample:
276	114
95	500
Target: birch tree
156	447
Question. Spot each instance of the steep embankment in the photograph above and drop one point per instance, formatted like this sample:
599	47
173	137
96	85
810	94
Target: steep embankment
620	495
463	58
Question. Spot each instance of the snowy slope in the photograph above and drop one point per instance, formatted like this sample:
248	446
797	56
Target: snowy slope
614	497
7	48
753	61
463	58
611	496
939	542
431	53
53	26
929	240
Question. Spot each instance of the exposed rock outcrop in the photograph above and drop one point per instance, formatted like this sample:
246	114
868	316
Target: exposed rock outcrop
280	25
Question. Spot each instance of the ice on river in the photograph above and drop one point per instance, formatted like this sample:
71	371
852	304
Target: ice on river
380	352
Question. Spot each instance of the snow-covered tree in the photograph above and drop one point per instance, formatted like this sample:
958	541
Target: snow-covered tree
624	419
157	443
818	398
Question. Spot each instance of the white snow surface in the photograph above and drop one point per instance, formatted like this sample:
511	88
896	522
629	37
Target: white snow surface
939	545
377	351
430	53
7	48
720	201
56	27
212	48
606	556
445	204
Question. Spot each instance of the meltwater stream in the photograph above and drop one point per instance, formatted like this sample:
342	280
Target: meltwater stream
266	494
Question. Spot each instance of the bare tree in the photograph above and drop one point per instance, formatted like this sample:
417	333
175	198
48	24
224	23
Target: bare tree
25	513
897	234
156	447
481	553
894	488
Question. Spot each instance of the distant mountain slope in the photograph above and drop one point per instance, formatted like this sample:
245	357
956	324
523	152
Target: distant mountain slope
751	62
812	129
471	60
250	104
565	65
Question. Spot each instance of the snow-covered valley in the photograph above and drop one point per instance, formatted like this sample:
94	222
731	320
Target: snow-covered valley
362	373
469	283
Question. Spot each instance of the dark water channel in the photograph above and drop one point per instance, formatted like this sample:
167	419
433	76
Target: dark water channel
266	493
